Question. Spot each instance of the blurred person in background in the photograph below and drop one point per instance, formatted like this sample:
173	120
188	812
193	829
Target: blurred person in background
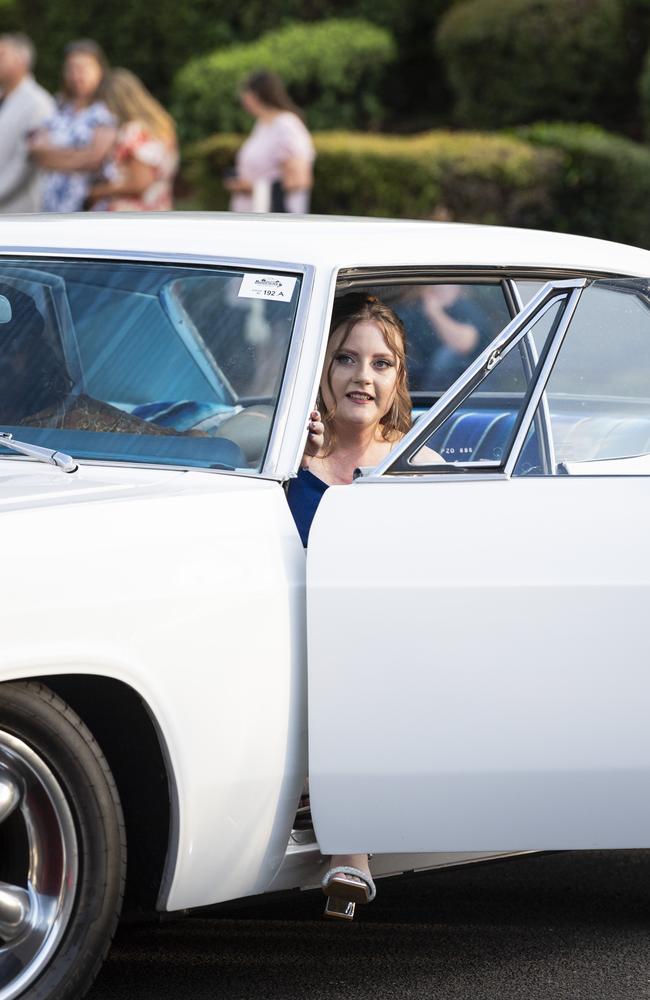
74	143
446	332
274	167
23	109
144	160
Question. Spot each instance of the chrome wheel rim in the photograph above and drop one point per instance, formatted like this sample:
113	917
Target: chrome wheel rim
39	865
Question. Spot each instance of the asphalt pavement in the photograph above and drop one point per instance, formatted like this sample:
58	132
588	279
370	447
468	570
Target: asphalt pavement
546	927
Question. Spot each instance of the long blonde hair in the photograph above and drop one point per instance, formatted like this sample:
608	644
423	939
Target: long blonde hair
129	100
349	310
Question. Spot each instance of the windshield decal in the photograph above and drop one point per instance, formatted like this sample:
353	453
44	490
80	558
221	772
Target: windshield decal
267	286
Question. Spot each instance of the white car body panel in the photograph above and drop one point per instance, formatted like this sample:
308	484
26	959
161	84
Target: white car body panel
199	606
500	702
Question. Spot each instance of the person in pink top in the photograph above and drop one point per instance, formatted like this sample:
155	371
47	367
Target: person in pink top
144	160
274	165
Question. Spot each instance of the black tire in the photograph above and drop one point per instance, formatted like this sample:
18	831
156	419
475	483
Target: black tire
57	794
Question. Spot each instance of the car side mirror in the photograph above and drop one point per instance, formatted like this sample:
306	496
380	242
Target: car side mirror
5	309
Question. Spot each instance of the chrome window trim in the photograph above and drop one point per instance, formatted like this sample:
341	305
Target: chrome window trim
540	386
351	277
474	375
115	464
432	477
542	414
286	390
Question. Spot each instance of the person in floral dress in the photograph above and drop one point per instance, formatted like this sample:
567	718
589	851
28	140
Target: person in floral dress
73	144
144	161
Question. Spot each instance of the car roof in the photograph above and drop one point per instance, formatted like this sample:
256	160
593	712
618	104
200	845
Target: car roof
329	241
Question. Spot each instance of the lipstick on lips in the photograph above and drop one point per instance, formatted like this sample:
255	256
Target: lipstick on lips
360	397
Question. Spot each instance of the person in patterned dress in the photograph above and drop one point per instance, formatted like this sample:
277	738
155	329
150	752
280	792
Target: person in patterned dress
73	144
145	157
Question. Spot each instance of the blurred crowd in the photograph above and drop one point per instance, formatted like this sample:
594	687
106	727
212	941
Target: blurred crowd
104	143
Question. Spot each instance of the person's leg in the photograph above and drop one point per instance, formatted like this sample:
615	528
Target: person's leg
359	861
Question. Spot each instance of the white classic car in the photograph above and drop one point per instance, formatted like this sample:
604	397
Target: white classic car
474	638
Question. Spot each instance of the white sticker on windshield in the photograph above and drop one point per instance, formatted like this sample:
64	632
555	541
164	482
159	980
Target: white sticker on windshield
267	286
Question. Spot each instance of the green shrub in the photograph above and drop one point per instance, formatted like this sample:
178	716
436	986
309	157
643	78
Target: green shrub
465	177
644	87
604	187
332	69
516	61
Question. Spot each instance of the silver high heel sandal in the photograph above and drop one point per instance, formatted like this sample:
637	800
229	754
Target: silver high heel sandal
344	887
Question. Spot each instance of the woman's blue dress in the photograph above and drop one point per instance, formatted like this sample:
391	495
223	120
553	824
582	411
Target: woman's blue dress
304	494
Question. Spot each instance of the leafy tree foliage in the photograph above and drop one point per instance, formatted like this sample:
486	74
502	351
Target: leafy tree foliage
333	69
515	61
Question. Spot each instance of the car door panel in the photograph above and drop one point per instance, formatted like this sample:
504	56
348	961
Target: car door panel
477	667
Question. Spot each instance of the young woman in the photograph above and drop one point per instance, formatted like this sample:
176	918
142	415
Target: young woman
364	410
73	144
278	155
144	160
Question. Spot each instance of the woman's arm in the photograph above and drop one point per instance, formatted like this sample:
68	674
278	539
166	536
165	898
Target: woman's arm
135	180
236	185
88	158
297	174
427	456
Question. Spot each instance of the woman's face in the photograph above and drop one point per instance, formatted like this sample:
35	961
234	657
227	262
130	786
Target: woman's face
83	75
250	102
362	374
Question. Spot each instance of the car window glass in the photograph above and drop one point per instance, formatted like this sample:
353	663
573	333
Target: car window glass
481	429
447	326
597	398
527	289
143	362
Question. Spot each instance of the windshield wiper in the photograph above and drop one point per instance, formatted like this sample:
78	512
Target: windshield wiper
58	458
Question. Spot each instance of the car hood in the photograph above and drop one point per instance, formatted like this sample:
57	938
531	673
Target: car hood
27	484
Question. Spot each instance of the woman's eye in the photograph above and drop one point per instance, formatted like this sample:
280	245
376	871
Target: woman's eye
383	363
345	359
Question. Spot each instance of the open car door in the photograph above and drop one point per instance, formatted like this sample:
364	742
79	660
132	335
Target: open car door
477	639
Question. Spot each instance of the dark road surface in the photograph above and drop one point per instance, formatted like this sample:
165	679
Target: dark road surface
573	925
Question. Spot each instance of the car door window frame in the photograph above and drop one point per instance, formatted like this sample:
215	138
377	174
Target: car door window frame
567	291
542	418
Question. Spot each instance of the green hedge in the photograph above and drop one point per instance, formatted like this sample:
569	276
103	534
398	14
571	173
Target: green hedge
604	188
567	178
465	177
333	69
516	61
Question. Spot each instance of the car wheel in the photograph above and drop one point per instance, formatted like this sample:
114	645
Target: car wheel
62	848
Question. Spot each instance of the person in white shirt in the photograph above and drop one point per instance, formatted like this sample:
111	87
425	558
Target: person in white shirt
25	106
274	167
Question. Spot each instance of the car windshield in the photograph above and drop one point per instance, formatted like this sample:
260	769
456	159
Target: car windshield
150	363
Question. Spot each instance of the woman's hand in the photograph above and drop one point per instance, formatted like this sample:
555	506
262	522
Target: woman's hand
315	438
237	186
39	145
